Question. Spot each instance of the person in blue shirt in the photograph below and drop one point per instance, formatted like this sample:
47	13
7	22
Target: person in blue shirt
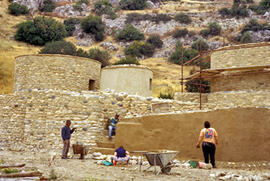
120	155
112	125
66	134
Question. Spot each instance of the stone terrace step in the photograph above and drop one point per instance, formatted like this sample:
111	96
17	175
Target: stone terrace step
106	151
106	144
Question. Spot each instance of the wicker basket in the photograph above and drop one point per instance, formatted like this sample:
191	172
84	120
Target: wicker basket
79	149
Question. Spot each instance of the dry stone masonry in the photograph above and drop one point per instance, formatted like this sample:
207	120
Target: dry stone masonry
50	89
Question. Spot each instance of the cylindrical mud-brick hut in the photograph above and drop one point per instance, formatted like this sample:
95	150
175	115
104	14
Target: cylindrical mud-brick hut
132	79
57	72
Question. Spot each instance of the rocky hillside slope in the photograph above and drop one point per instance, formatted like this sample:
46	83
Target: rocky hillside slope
166	75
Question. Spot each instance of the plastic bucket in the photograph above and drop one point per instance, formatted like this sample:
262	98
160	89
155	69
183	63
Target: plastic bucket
193	164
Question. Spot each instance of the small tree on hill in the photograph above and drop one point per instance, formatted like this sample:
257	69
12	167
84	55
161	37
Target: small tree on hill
155	40
59	47
94	25
40	31
129	33
128	60
132	4
17	9
47	6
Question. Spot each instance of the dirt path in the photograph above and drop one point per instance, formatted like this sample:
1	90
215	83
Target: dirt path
75	169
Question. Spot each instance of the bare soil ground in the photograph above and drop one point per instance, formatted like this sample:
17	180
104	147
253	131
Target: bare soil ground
88	170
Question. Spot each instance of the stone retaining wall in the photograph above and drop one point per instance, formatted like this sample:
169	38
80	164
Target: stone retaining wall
228	99
253	54
253	82
33	118
12	114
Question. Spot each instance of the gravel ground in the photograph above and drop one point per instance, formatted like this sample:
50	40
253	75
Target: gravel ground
88	170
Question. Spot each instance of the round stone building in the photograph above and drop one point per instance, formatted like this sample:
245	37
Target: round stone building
132	79
57	72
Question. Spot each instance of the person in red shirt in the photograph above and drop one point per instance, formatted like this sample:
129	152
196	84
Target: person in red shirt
209	138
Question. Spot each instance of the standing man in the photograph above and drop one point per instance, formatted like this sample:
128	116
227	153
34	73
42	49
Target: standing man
66	134
209	139
112	125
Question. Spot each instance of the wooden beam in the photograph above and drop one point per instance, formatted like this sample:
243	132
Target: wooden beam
12	166
26	174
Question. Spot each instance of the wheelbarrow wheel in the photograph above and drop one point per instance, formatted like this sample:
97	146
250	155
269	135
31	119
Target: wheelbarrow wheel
166	169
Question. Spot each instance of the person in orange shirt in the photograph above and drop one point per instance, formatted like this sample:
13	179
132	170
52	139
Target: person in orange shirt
209	138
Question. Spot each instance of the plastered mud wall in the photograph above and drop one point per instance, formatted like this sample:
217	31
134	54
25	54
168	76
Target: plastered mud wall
60	72
243	133
253	54
133	79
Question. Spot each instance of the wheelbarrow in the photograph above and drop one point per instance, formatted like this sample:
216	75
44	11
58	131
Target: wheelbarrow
161	158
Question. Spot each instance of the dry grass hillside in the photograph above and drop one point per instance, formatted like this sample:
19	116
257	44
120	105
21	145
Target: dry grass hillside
9	48
166	75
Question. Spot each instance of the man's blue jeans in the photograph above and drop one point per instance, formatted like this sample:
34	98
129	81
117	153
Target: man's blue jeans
111	129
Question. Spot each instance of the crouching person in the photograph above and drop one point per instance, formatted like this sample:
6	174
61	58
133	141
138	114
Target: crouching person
120	155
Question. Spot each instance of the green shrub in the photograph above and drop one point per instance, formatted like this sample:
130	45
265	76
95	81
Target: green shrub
100	55
161	17
180	33
246	38
40	31
70	25
78	4
188	54
200	43
137	17
194	86
155	40
47	6
17	9
243	1
94	25
104	7
262	8
10	170
213	29
68	48
81	53
205	32
128	60
167	95
132	4
239	11
265	4
59	47
225	12
138	49
129	33
254	25
182	18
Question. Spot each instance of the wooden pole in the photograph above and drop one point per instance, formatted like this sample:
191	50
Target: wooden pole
182	71
200	74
